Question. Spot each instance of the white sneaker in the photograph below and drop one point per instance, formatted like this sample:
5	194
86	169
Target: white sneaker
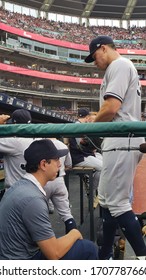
141	258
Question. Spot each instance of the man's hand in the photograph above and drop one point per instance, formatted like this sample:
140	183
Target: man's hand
84	141
144	230
4	118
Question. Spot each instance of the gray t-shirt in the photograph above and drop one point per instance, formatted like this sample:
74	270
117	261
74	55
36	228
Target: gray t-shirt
24	217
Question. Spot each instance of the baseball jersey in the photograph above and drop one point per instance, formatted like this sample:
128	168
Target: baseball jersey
56	189
121	81
65	161
12	150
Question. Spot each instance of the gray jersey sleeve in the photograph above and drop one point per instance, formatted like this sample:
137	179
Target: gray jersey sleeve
117	79
121	81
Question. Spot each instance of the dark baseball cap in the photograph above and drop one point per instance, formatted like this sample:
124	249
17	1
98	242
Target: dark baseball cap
42	149
21	116
96	44
83	112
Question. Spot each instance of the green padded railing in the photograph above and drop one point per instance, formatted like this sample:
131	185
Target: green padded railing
103	129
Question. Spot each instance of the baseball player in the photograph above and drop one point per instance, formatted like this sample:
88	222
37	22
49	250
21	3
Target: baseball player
120	101
83	156
57	191
12	148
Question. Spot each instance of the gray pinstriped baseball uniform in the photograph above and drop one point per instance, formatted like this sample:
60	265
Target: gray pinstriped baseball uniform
56	190
116	180
12	149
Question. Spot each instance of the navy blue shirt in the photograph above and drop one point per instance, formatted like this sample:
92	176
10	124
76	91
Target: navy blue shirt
77	152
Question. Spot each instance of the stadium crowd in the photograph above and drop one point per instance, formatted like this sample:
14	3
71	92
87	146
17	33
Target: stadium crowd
73	32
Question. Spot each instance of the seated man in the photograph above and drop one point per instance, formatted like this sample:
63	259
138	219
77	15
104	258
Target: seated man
12	150
25	228
83	155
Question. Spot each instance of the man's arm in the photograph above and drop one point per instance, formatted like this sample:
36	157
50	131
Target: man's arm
55	248
108	110
68	161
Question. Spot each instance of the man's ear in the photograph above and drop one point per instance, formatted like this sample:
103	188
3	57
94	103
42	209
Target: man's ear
42	164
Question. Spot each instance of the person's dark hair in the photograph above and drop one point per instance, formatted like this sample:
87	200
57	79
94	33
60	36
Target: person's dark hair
33	168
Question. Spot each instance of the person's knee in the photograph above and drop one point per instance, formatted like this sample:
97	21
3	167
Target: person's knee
90	249
82	249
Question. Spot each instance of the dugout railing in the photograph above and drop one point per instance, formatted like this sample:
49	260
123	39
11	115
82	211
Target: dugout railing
102	129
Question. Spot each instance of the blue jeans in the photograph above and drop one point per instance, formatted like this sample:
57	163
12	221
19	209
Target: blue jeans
81	250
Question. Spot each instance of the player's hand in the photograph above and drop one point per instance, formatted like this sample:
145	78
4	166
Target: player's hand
4	118
84	141
144	230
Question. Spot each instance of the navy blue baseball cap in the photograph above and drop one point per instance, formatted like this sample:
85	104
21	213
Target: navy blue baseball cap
83	112
21	116
96	44
42	149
